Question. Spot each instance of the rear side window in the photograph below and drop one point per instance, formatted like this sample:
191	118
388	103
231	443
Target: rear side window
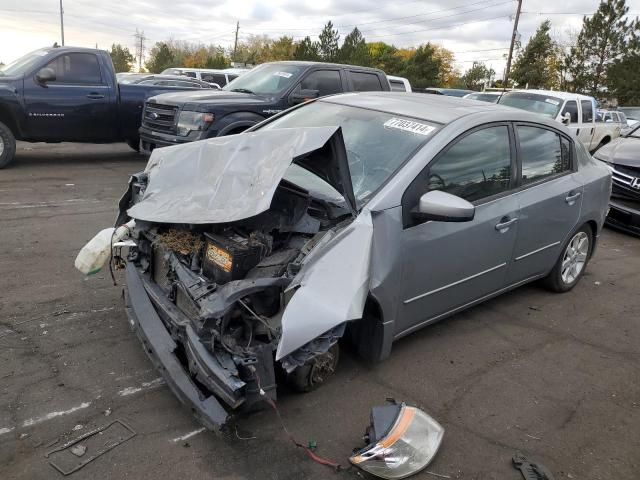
327	82
397	86
477	166
77	68
214	78
189	74
365	82
587	111
572	108
543	153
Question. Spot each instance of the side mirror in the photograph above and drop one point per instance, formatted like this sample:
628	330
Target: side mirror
566	118
45	75
303	95
443	207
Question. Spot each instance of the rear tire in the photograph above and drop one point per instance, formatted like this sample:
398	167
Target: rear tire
134	144
572	263
315	372
7	146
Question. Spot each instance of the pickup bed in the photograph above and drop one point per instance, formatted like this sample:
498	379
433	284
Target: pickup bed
175	118
68	94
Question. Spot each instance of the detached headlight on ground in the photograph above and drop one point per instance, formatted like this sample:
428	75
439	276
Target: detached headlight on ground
193	121
402	441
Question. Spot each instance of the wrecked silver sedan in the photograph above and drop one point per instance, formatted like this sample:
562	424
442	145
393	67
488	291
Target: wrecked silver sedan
364	216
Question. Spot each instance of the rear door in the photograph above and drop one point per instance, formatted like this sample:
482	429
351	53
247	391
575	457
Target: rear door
365	81
447	265
77	106
549	197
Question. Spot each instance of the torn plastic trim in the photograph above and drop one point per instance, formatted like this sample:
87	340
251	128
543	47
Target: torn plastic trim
226	179
331	287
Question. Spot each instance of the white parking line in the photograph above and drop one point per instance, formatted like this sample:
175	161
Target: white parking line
188	435
6	430
156	382
49	416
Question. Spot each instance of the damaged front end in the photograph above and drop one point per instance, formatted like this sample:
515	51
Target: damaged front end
222	307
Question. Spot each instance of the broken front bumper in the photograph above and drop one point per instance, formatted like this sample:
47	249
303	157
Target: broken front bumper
162	349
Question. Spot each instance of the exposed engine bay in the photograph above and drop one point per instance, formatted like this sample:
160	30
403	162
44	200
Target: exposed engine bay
226	283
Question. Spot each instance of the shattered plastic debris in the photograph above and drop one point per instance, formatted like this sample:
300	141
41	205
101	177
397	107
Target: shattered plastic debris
529	469
78	450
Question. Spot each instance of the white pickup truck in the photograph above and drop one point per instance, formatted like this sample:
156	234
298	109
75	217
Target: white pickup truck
578	112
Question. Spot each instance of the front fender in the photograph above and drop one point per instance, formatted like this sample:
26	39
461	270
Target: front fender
233	121
331	288
12	112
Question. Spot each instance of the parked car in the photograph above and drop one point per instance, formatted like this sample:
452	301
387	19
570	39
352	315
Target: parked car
576	111
399	84
618	118
68	94
217	77
452	92
632	114
622	156
166	80
264	91
491	97
257	252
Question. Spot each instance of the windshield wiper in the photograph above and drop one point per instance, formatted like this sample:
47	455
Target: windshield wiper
243	90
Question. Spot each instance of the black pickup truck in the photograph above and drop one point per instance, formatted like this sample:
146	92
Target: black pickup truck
175	118
68	94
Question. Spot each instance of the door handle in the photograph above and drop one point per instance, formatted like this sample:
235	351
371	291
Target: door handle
95	96
577	132
592	131
572	197
505	223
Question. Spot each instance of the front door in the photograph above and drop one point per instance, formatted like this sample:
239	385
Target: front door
449	265
76	106
550	199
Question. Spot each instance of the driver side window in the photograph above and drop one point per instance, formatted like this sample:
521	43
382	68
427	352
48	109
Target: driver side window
327	82
475	167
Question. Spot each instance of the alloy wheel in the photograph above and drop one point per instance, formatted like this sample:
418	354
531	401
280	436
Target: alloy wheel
1	146
575	257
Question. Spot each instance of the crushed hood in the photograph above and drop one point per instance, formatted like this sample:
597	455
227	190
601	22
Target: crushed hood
231	178
622	151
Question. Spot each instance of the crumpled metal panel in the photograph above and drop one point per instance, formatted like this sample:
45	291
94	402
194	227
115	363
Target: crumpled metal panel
222	179
331	288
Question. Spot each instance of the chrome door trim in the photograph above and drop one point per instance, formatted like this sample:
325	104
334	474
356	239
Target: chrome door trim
537	250
476	275
462	307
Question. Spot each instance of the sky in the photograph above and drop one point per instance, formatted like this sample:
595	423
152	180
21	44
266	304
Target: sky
475	30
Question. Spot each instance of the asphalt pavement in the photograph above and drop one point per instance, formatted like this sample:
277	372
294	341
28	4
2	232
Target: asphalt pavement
556	377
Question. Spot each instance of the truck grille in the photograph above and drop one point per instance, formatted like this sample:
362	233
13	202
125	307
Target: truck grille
161	118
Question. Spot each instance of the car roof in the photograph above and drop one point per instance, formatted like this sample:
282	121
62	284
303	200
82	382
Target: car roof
441	109
555	93
485	93
303	63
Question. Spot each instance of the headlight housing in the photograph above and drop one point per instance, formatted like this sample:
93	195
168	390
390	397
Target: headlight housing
403	439
193	121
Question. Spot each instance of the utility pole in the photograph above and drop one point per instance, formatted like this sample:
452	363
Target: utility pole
61	23
140	38
235	44
505	82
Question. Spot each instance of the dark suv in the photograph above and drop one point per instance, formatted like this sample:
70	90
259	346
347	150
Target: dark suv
270	88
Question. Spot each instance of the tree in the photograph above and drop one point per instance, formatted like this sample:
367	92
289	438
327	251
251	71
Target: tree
386	58
161	57
623	75
329	39
477	76
281	49
449	74
354	50
121	58
537	65
307	50
423	67
603	38
217	61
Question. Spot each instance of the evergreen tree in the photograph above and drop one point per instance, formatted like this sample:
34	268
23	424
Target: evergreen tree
477	76
423	67
121	58
307	50
354	50
161	57
603	38
623	75
536	65
329	39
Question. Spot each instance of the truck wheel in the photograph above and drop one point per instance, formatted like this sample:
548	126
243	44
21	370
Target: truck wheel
315	372
134	143
7	145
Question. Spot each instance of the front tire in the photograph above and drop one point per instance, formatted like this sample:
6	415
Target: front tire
134	144
572	261
7	146
315	372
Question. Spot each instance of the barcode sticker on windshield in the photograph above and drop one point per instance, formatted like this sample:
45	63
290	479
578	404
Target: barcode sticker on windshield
409	126
282	74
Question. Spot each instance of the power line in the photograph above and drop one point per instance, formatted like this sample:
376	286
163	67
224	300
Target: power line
140	39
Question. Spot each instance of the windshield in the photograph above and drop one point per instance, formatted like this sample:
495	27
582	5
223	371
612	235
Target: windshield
267	79
23	64
484	97
635	133
377	143
533	102
631	112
